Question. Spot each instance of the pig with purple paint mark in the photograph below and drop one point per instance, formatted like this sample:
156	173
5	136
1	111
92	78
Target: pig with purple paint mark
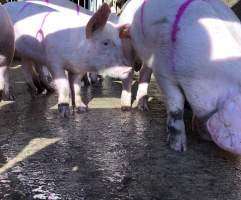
194	50
67	43
6	53
145	73
38	82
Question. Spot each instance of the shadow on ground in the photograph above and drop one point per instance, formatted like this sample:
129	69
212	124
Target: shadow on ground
105	154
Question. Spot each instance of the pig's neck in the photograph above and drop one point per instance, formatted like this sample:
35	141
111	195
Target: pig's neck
80	58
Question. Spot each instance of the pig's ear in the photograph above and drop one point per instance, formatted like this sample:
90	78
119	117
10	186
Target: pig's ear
124	31
98	20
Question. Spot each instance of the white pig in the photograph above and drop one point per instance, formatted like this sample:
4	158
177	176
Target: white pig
37	77
67	42
194	50
6	53
145	73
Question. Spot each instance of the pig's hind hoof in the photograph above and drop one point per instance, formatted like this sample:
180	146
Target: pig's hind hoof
6	96
64	110
125	108
81	109
177	142
142	104
9	97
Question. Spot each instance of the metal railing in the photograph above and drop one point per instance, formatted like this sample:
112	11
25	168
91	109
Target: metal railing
92	5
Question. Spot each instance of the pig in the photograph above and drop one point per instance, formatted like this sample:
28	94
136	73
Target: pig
145	73
6	53
77	44
38	78
194	50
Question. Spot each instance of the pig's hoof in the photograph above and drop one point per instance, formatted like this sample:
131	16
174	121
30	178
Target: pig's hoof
177	142
81	109
126	108
64	109
50	90
32	91
9	97
142	104
6	96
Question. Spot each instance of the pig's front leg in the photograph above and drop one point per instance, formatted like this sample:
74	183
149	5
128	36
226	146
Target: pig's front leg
142	96
175	108
74	82
126	92
62	87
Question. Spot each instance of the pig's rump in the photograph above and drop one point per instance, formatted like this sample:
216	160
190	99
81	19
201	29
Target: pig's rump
224	126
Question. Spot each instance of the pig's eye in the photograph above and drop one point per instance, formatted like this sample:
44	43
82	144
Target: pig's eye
106	42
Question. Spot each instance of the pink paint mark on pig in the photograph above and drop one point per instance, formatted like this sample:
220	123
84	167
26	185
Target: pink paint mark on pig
180	12
77	9
142	17
176	28
40	33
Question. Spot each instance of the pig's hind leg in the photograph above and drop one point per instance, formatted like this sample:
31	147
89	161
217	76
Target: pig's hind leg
74	82
175	109
5	89
31	77
44	79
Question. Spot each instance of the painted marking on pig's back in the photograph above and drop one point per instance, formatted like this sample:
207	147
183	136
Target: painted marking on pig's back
40	34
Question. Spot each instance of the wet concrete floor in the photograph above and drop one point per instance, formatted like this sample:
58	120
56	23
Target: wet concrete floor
105	154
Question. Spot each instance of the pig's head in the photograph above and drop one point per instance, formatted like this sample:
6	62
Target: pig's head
104	45
128	48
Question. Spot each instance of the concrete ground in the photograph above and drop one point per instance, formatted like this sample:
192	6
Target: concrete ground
105	154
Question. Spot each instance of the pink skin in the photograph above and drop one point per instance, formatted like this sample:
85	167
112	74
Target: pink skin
40	33
6	53
206	74
98	47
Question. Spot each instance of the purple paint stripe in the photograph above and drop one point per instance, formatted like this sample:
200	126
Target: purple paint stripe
40	31
142	16
47	1
175	29
179	14
77	9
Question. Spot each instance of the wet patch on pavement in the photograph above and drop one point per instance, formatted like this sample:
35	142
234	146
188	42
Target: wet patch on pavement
105	154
